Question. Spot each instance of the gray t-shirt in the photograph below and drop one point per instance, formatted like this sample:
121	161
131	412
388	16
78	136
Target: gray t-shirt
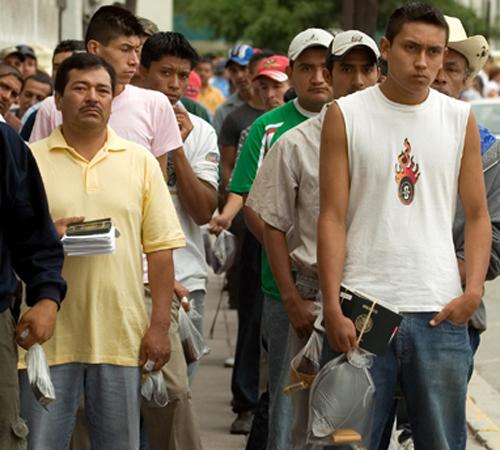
223	110
235	122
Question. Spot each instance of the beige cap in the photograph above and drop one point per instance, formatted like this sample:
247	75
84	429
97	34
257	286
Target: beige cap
347	40
475	49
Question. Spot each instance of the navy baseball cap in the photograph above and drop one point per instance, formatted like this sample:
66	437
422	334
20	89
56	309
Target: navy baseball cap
240	54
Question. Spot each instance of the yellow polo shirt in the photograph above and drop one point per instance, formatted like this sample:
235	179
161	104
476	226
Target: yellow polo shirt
103	318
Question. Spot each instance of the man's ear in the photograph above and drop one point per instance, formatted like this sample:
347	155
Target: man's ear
93	47
58	100
384	46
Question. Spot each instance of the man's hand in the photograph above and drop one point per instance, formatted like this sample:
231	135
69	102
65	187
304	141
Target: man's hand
62	224
37	324
184	122
12	120
180	291
155	346
458	311
219	223
340	332
300	314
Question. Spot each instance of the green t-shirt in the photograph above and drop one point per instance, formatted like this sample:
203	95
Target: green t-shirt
263	134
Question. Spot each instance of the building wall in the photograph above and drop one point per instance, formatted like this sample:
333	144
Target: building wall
38	21
28	21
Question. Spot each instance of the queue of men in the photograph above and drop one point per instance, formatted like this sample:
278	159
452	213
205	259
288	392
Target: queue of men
326	174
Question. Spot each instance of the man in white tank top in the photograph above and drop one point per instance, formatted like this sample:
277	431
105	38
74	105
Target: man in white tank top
393	158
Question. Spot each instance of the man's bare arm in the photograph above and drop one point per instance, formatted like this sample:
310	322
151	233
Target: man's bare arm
300	311
228	160
224	220
197	196
334	198
254	223
477	230
155	344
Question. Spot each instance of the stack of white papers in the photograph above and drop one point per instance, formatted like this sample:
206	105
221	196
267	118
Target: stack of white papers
90	244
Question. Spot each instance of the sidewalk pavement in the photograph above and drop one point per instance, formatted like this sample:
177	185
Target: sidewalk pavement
212	387
212	382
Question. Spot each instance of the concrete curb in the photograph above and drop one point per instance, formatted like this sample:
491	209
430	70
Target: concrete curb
483	412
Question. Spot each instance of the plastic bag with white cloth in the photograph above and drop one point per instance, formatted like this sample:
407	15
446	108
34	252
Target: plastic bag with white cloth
220	251
154	388
39	375
193	343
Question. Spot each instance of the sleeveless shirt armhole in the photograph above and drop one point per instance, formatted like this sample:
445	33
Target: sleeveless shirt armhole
346	129
465	120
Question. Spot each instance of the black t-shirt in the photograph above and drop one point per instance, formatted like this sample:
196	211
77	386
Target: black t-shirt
236	122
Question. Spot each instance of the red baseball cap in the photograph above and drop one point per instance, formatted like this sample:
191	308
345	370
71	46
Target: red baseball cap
194	86
273	67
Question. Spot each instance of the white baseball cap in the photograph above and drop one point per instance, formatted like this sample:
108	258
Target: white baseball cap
312	37
347	40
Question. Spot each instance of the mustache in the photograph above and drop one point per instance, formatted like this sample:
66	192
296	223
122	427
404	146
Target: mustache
91	106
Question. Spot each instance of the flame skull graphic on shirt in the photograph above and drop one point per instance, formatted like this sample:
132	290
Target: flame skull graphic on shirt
407	174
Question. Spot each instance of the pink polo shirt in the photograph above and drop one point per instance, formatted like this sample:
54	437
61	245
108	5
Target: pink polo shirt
140	115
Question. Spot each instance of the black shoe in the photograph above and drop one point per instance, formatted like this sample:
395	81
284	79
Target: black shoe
242	424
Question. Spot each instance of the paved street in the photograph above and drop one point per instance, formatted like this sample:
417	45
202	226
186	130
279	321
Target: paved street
212	396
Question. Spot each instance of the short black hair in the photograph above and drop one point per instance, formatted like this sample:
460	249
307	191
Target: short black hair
41	77
69	45
206	60
167	43
414	12
81	61
7	69
110	22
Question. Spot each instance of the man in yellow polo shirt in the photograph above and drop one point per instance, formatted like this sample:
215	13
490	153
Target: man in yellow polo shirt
103	335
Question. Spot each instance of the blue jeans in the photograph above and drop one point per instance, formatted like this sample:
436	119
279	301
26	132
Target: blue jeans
112	406
275	333
432	365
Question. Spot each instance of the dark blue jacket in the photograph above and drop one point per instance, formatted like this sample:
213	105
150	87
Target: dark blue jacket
29	245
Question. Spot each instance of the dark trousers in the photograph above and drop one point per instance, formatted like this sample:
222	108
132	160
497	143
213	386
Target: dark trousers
245	380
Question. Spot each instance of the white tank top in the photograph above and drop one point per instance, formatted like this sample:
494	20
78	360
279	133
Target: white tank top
404	166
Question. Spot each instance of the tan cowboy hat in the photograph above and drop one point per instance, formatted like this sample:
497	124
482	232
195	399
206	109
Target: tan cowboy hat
474	48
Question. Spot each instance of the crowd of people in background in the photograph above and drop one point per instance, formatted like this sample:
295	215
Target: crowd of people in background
289	152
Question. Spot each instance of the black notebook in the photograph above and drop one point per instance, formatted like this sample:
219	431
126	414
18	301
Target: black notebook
376	323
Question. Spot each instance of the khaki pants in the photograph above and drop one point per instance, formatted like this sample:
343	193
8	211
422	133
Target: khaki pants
174	427
13	430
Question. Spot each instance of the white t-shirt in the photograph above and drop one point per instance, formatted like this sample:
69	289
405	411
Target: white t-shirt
202	152
140	115
404	166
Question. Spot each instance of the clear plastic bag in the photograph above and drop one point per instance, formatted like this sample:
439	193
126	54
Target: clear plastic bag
220	251
341	401
193	343
154	389
306	364
39	375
